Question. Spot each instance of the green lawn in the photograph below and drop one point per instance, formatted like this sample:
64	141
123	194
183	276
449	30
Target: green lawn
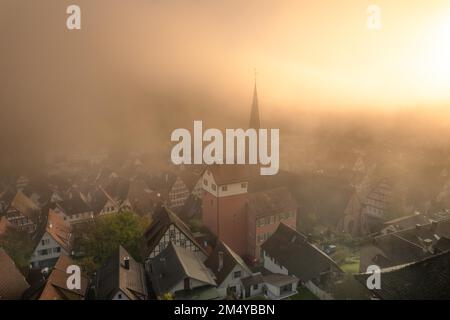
351	265
260	297
303	294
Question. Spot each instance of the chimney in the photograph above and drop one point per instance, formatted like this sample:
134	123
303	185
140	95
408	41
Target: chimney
428	246
220	261
434	225
126	263
418	226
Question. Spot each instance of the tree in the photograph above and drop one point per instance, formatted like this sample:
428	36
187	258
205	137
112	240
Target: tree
19	247
106	234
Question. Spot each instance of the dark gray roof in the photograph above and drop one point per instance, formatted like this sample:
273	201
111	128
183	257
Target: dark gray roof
425	279
405	246
113	276
12	282
230	260
292	250
270	202
75	205
175	264
252	280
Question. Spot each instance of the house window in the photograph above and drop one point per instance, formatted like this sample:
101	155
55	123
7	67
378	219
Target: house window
236	274
205	182
45	241
214	187
172	234
244	185
224	188
43	252
56	250
286	288
119	296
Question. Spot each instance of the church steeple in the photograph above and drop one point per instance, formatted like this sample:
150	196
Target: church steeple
255	122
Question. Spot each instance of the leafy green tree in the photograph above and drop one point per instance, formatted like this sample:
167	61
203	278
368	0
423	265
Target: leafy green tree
101	238
19	247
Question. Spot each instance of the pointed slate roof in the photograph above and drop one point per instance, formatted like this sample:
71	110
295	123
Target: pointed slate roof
12	282
255	122
230	260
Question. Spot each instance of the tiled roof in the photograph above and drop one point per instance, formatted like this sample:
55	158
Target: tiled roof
75	205
425	279
25	206
270	202
405	246
162	219
230	260
175	264
229	173
60	230
113	276
292	250
12	282
55	286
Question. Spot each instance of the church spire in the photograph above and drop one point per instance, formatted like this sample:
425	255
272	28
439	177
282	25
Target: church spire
255	122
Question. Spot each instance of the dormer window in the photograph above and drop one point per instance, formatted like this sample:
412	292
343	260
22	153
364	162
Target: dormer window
244	185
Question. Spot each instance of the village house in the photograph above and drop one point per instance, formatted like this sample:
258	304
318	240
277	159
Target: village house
113	205
182	274
366	210
252	285
406	246
6	197
167	227
54	286
279	286
405	222
75	210
12	282
426	279
121	278
228	268
289	252
5	226
142	200
187	183
24	213
266	210
54	240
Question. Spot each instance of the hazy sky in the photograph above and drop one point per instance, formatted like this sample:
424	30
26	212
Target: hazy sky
138	64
